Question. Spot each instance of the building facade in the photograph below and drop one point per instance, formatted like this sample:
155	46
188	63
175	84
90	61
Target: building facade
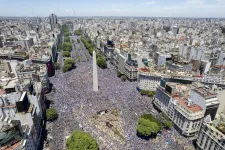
53	21
173	99
210	136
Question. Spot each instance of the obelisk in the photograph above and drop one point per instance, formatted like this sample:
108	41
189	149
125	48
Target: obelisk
95	74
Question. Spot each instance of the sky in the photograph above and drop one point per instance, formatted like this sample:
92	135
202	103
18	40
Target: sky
145	8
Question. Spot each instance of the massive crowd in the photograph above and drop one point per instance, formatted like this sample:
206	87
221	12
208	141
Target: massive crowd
76	102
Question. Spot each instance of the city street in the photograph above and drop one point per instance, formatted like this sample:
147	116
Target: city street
76	103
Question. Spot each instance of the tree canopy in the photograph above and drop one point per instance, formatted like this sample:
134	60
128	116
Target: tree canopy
66	54
168	124
68	64
146	92
65	30
67	46
80	140
78	32
69	61
87	44
67	39
51	114
148	125
147	128
101	62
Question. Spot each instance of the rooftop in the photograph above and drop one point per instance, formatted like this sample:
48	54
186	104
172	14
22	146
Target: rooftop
184	102
206	92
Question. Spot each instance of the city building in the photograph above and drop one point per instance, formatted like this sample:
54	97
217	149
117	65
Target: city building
212	134
173	99
148	81
53	21
206	97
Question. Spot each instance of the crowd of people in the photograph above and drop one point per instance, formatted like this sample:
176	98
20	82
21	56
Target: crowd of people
75	102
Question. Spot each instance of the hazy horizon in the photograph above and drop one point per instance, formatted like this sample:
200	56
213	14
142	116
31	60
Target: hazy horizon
115	8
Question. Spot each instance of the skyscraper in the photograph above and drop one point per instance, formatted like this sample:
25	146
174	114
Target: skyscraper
53	21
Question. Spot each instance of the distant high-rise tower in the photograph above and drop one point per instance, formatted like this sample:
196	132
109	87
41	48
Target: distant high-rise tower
53	21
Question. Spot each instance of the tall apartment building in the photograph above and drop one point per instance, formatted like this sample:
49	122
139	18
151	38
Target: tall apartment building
173	99
53	21
212	134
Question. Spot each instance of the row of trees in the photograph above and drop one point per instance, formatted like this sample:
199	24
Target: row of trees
88	45
149	126
147	92
65	30
80	140
101	60
68	64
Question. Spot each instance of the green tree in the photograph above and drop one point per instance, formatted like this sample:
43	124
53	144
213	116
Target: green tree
80	140
67	67
57	65
168	124
67	39
66	33
51	114
123	78
88	45
66	54
78	32
101	62
67	46
78	41
151	118
143	92
69	61
147	128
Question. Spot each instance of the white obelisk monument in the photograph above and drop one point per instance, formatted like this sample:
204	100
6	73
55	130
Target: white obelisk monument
95	74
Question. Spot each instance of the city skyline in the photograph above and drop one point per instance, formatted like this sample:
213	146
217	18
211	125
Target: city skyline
143	8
